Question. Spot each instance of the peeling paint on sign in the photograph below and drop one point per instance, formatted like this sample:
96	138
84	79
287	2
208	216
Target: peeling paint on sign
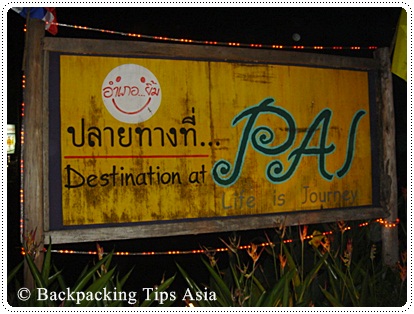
225	139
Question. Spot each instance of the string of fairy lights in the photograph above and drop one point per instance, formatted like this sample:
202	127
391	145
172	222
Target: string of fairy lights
210	251
212	42
380	221
21	192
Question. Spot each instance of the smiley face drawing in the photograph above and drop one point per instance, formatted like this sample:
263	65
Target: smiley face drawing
131	93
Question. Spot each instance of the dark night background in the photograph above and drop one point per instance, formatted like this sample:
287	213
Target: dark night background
335	26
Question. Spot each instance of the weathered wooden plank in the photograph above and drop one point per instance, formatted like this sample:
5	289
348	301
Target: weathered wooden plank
389	189
33	137
45	138
212	225
158	50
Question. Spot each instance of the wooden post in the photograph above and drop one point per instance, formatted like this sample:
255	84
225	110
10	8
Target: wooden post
389	187
33	143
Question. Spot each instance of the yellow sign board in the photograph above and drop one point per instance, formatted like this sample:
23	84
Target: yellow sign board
146	139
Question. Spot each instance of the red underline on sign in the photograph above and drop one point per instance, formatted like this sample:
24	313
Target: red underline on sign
136	156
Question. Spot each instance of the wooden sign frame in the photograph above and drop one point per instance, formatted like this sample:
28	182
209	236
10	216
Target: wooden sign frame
37	213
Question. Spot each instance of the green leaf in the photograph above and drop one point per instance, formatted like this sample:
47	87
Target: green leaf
348	283
309	278
82	275
365	297
224	290
335	285
14	272
275	295
292	265
235	277
162	287
120	284
260	300
96	286
119	287
37	276
259	285
47	265
60	279
54	277
332	272
334	301
194	289
85	277
286	294
109	260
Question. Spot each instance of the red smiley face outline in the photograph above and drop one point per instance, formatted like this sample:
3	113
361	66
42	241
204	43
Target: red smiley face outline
132	112
130	90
